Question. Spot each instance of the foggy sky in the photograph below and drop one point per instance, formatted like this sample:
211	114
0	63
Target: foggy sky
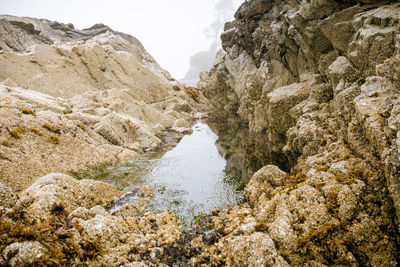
203	60
170	30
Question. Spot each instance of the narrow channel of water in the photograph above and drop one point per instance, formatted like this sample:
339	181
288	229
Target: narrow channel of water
190	179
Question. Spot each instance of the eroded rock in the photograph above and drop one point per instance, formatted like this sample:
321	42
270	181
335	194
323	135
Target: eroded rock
85	100
312	78
24	253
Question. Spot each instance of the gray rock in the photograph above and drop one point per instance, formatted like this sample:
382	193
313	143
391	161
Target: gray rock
209	237
25	253
317	79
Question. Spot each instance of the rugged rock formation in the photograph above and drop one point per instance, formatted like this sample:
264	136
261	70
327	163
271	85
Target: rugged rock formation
75	100
313	85
319	80
64	222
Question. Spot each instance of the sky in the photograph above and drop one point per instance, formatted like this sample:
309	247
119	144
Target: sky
170	30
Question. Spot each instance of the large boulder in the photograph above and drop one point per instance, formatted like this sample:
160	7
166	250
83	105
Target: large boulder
59	192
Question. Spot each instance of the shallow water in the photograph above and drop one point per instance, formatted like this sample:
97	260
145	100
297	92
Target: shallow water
190	179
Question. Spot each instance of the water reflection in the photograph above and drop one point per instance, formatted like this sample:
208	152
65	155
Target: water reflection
245	151
189	179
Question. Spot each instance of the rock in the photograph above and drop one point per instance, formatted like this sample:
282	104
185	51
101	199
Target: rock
99	210
145	192
307	92
133	209
127	156
348	203
281	101
24	253
209	237
339	69
81	213
255	250
60	191
338	28
180	123
314	82
99	87
182	107
263	182
7	197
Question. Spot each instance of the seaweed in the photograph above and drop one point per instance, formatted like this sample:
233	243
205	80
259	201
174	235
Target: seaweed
322	168
193	93
27	111
62	248
320	243
350	177
292	180
6	143
36	131
16	133
54	139
51	128
80	125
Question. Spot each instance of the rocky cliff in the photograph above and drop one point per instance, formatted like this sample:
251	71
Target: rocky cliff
317	85
73	100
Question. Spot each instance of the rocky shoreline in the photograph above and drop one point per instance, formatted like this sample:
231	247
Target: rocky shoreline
316	79
85	101
314	85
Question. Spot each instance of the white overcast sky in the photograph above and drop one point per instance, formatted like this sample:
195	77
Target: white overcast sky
170	30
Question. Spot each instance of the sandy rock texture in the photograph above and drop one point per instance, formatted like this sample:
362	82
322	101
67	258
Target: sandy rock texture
72	101
318	82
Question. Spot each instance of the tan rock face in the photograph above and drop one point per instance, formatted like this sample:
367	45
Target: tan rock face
24	253
74	100
60	190
7	197
315	79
